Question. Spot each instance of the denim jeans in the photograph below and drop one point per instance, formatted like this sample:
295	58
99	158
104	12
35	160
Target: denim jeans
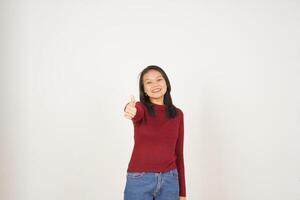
152	185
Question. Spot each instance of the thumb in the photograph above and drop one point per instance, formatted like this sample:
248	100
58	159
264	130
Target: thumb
132	99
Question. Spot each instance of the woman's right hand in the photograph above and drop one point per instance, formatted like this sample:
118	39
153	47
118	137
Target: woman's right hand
130	109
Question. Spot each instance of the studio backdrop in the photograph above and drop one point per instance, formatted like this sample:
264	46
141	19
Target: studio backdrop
68	68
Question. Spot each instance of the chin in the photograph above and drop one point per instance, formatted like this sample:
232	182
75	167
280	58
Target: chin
157	97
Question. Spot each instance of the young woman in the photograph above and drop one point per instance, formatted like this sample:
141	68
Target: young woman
156	168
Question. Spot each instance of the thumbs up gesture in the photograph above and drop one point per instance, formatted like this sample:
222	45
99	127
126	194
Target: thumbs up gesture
130	110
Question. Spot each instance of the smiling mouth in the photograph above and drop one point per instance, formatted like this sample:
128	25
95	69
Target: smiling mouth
156	90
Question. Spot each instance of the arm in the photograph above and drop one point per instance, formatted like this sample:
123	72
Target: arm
180	157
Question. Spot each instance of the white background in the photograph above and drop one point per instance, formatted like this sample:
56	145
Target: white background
69	67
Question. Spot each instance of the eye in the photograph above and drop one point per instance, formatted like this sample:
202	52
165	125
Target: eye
159	79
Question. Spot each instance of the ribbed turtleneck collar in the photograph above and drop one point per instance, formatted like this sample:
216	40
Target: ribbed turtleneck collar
159	107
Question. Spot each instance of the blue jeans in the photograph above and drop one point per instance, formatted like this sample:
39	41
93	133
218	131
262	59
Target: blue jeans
152	185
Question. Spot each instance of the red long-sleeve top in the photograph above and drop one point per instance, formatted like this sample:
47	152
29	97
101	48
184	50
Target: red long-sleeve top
158	142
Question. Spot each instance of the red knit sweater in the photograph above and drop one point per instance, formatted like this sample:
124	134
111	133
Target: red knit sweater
158	142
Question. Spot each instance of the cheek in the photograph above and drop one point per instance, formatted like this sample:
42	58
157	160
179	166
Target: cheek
165	90
164	86
147	88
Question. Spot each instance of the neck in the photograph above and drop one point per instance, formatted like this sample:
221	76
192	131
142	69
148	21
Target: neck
157	101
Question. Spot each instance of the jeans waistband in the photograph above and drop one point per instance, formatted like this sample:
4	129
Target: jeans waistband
167	172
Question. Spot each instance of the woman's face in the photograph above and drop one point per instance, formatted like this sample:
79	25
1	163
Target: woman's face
154	85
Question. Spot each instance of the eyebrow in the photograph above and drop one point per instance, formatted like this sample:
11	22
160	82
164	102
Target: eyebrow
156	77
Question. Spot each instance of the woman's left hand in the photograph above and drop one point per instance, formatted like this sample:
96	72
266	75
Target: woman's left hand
182	198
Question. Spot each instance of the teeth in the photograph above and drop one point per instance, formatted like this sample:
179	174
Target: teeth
156	90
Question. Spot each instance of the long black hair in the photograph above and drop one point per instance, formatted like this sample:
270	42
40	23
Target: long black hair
170	108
